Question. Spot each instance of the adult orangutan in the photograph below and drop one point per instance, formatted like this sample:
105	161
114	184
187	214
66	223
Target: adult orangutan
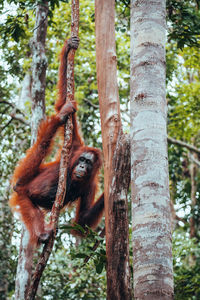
35	182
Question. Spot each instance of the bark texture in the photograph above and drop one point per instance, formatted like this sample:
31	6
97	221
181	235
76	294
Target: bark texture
6	230
25	91
65	154
193	174
152	249
58	204
39	64
116	155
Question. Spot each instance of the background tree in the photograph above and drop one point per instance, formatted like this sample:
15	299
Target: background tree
37	89
183	124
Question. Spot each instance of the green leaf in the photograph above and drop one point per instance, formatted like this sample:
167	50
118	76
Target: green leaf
80	255
99	267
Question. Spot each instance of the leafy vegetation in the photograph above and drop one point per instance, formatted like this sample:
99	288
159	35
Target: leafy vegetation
67	277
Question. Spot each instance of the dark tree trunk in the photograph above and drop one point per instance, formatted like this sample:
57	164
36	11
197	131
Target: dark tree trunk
116	155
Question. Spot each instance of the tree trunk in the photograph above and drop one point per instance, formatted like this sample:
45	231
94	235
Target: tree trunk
25	91
193	174
6	228
116	155
64	160
39	65
152	248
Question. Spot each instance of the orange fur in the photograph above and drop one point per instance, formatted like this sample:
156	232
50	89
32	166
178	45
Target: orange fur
35	182
62	94
26	169
32	218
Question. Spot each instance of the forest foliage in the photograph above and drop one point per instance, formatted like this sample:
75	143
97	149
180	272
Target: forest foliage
66	275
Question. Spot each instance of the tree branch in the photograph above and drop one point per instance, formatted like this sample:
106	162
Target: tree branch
13	117
23	121
92	104
183	144
194	160
6	125
13	106
8	103
60	195
96	245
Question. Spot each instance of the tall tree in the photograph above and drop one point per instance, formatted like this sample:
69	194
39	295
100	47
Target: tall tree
116	155
39	65
5	240
152	249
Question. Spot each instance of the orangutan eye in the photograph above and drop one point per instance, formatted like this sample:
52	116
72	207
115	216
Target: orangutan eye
88	162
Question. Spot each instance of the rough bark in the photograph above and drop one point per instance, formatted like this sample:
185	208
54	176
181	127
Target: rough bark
58	204
118	272
65	154
195	159
39	64
193	174
25	91
116	179
6	228
152	249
